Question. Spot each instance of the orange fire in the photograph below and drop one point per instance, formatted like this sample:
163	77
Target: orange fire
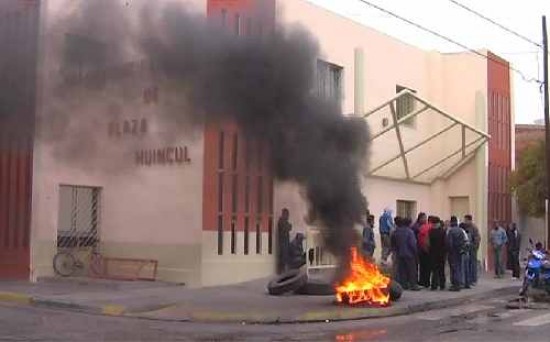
364	284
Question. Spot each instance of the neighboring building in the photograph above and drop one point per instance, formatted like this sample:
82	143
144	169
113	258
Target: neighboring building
205	204
528	135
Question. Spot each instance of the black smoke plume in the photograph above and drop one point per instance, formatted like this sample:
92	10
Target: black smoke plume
266	85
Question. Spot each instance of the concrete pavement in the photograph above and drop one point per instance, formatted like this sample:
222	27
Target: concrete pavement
483	321
242	303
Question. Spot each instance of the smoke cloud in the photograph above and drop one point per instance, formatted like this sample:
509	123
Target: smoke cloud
266	85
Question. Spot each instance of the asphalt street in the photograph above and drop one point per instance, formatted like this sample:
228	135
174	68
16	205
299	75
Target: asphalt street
481	321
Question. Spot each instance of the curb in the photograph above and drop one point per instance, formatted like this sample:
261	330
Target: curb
12	297
326	315
25	299
107	309
252	317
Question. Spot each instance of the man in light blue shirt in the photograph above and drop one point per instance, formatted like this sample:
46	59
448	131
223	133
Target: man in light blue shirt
498	241
386	226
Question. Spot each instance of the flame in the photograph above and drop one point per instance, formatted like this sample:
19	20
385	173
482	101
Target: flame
364	284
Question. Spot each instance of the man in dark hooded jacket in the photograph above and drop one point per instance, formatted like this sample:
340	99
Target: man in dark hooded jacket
283	238
514	247
404	247
473	231
455	247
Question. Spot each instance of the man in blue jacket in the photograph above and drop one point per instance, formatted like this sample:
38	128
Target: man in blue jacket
456	243
404	247
385	226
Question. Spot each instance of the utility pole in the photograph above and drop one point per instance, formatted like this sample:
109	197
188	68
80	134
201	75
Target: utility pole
547	125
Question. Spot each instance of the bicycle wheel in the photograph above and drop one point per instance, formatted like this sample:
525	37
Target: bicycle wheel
64	264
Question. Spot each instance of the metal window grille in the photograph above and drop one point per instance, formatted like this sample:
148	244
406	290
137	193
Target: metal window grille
233	237
246	235
270	237
329	81
220	235
258	238
78	222
237	24
405	105
406	209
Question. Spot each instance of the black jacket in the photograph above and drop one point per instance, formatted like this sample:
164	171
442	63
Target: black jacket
437	243
514	241
456	240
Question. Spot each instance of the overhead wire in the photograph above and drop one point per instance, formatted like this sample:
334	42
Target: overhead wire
451	40
484	17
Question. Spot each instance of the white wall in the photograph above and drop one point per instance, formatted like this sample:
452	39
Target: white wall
451	82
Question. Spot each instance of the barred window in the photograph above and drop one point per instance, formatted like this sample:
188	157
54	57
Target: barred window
329	81
405	105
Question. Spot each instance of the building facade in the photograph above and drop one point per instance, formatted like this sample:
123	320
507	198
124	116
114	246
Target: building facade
203	202
19	30
531	227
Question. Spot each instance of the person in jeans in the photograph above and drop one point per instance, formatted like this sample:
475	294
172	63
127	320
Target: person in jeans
404	248
385	226
498	241
514	246
455	242
473	231
437	254
466	274
368	244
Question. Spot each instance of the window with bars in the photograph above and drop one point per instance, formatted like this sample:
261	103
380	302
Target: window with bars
237	24
78	216
329	81
243	187
405	105
406	209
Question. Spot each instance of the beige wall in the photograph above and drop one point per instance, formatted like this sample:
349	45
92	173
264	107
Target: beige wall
455	83
233	268
150	212
156	212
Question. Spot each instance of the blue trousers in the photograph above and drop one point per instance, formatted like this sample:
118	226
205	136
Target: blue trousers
473	266
499	267
455	263
466	274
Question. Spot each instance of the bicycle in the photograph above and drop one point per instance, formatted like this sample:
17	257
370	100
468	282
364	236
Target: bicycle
66	263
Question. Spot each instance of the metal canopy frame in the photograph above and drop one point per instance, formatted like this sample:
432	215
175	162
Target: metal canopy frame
397	122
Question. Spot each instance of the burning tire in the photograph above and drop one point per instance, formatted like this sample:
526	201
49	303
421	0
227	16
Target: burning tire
395	291
316	288
286	282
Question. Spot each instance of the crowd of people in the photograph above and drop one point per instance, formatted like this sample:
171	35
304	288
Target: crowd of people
420	250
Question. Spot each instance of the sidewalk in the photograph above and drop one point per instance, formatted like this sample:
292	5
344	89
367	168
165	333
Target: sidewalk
246	302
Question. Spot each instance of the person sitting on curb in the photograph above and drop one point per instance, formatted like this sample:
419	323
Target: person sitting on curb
297	256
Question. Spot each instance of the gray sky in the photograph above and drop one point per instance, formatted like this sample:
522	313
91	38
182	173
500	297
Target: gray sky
454	22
